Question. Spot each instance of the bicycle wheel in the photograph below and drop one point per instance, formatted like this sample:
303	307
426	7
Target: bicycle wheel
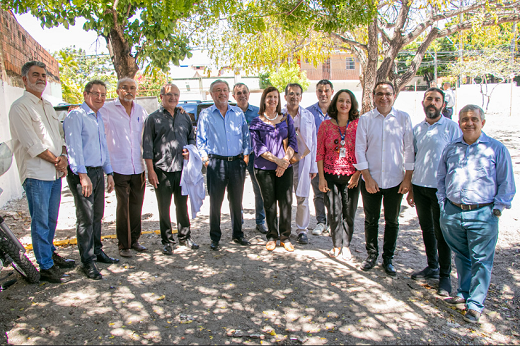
20	262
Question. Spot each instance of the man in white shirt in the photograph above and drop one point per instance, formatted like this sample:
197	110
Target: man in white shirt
385	157
124	120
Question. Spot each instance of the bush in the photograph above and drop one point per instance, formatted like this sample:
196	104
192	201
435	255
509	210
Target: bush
289	73
264	80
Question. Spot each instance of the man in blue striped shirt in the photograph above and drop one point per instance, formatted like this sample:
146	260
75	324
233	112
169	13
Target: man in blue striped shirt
475	183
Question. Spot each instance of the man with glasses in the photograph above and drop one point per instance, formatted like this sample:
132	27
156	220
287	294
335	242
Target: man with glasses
385	157
88	159
124	121
166	132
324	92
224	145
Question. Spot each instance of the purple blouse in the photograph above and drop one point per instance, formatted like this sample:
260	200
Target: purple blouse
265	137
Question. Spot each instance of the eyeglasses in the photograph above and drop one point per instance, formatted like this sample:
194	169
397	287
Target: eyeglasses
384	94
96	94
127	88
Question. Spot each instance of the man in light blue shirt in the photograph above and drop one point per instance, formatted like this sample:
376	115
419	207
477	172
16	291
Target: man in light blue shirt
475	183
224	145
429	138
88	159
241	95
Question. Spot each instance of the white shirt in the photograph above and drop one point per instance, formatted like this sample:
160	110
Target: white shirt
384	146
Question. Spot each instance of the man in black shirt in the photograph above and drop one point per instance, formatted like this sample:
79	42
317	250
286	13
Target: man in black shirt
166	132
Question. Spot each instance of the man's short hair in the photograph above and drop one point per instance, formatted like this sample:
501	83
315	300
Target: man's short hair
292	85
383	83
124	80
163	88
90	84
27	66
216	82
325	82
437	90
239	85
473	108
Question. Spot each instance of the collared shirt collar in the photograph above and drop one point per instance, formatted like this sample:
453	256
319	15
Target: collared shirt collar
33	97
117	102
87	109
284	110
214	108
483	138
376	112
439	122
249	107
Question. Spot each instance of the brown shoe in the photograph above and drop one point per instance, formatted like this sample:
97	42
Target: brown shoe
271	245
287	246
125	253
138	247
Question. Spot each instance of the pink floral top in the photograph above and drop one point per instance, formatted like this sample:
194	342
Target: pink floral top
328	150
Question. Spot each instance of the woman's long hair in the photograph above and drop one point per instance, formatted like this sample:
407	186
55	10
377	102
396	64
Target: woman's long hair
333	109
264	96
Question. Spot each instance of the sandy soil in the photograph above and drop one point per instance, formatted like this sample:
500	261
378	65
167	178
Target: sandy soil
248	295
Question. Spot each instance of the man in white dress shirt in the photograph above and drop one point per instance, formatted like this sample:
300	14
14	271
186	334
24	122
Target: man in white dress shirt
385	157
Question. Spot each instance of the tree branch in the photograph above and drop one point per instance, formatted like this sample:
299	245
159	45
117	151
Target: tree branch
349	41
468	25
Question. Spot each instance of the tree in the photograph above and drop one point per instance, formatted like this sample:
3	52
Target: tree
137	32
289	73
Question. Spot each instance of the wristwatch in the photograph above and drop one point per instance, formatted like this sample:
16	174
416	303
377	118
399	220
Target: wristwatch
497	212
112	174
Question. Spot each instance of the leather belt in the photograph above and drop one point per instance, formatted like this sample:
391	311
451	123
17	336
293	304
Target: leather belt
470	206
226	158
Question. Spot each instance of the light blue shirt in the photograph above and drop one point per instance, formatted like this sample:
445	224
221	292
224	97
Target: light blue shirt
224	136
429	142
476	174
86	141
251	112
319	117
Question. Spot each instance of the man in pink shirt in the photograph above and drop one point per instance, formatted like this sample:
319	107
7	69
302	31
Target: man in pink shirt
124	120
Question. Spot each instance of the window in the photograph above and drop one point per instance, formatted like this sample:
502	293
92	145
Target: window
351	65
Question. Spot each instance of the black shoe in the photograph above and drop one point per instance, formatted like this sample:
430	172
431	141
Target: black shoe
62	262
91	271
426	273
214	246
242	241
302	238
369	263
261	228
444	286
104	258
472	316
51	275
389	268
456	301
188	243
167	250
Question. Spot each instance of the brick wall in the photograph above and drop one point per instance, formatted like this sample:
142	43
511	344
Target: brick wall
18	47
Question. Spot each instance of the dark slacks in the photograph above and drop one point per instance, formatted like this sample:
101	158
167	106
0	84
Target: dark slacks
277	189
321	203
224	174
438	252
89	212
259	202
130	196
372	206
169	184
343	203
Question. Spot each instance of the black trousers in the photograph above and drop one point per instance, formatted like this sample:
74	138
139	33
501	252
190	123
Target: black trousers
321	203
276	189
372	206
343	203
438	252
89	212
130	196
169	184
224	174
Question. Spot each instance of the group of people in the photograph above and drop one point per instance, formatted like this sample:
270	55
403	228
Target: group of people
458	178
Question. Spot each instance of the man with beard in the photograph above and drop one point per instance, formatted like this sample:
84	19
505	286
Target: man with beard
41	157
124	120
429	138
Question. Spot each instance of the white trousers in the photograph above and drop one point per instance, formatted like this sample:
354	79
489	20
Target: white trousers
303	214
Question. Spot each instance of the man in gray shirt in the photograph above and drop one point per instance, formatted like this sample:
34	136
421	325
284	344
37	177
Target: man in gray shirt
166	132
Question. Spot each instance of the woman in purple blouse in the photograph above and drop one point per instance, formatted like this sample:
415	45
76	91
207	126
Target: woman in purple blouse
272	168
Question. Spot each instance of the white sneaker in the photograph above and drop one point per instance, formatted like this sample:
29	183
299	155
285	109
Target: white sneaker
319	229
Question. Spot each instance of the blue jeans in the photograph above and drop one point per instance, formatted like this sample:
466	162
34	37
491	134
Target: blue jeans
472	235
259	202
44	199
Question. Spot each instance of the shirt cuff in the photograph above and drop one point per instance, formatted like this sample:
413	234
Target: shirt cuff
36	150
409	166
78	169
500	207
361	166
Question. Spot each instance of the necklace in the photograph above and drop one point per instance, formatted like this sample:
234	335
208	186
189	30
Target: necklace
271	119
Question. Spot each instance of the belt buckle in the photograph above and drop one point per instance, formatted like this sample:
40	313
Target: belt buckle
230	158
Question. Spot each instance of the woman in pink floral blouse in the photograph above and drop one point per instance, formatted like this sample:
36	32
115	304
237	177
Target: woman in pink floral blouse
338	176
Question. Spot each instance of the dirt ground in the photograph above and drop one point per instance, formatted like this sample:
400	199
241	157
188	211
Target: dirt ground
248	295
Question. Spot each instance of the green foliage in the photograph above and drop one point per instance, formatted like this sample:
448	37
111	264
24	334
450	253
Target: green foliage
264	80
77	69
289	73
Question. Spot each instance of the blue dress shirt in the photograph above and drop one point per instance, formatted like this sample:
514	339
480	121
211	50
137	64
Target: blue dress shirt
319	117
476	174
251	113
86	141
429	142
224	136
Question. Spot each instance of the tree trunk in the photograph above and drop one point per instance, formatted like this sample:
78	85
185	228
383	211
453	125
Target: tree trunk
368	80
119	49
